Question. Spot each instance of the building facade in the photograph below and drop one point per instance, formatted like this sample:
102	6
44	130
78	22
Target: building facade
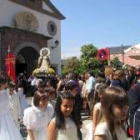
26	26
129	55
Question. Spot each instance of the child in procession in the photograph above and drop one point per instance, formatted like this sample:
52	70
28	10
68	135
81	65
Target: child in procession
114	114
64	126
8	129
37	117
97	112
14	104
22	99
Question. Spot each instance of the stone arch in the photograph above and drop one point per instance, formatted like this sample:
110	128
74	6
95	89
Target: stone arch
23	45
26	57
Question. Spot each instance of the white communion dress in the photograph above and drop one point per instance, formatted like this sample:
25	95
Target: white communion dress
102	129
15	107
89	126
37	120
22	100
8	129
70	133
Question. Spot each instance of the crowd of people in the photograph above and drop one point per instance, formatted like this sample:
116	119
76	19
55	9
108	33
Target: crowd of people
110	98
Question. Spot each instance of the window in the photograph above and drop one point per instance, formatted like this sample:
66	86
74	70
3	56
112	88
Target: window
52	28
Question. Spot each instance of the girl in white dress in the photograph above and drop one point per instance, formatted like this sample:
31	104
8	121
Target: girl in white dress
97	112
8	129
114	109
14	104
37	117
64	126
22	99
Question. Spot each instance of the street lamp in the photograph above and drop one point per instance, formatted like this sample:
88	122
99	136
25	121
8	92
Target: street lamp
56	44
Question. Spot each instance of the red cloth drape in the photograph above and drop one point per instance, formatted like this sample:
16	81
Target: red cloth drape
10	66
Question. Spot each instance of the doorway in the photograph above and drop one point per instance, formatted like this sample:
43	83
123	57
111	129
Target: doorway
26	60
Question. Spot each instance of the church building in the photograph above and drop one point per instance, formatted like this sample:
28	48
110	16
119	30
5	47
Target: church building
27	26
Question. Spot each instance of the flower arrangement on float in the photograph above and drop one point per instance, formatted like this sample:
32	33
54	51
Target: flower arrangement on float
36	72
44	66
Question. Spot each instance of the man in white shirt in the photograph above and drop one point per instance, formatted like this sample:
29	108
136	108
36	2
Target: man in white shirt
90	84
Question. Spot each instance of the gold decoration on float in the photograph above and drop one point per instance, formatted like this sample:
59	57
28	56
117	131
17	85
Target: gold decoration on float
26	21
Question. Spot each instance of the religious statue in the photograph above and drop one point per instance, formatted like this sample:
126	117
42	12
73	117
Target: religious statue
44	65
44	60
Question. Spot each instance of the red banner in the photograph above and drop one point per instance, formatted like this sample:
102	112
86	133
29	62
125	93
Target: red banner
10	66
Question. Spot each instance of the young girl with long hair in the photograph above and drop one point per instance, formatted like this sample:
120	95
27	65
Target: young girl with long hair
72	88
97	112
8	129
115	110
64	126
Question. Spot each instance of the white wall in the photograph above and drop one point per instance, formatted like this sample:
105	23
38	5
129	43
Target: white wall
8	12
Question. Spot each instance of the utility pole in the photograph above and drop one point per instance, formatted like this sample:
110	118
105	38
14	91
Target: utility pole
122	53
108	59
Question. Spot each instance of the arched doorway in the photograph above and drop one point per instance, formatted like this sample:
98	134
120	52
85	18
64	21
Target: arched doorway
26	60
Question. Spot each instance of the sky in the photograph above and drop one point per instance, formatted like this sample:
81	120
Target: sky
103	23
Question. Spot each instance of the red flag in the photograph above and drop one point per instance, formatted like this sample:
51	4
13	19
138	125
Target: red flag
10	66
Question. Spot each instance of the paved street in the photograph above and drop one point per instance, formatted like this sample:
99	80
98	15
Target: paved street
83	129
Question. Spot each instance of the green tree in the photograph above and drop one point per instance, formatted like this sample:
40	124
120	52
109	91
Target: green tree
116	63
88	59
71	65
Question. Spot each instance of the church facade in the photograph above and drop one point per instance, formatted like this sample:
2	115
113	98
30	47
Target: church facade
27	26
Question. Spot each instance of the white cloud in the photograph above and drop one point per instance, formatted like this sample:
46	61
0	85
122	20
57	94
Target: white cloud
72	49
70	52
68	55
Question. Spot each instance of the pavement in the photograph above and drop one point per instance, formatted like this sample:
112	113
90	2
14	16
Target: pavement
84	129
